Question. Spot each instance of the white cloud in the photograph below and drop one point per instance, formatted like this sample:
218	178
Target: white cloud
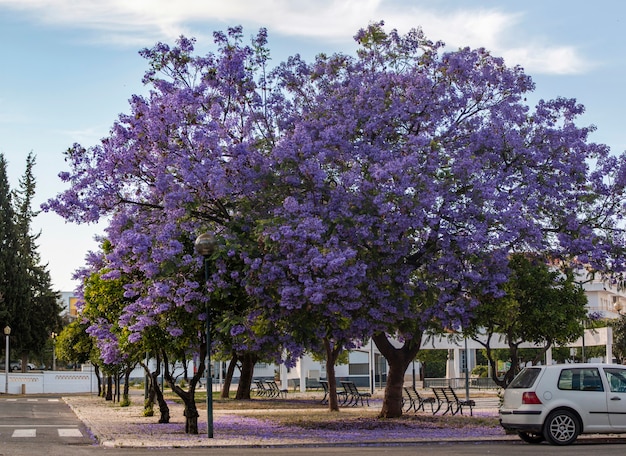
87	135
142	22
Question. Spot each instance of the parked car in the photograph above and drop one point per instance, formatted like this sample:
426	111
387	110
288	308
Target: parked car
557	403
17	366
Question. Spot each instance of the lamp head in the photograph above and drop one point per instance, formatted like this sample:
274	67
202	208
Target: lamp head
205	244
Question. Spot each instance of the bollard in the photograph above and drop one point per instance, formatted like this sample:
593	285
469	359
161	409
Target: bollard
23	388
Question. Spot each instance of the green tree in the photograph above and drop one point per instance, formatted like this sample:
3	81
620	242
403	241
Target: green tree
11	285
30	303
74	346
433	362
104	302
540	305
39	314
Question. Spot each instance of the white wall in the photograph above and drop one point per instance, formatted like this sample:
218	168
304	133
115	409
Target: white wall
49	382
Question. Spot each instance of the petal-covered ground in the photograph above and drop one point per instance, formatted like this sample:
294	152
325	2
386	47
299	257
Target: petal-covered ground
262	424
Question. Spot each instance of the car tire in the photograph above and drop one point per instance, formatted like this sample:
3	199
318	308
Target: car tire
531	437
561	427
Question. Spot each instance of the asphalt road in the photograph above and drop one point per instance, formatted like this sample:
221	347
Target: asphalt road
33	422
45	425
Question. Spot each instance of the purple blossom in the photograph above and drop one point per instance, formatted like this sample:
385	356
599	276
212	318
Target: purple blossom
350	196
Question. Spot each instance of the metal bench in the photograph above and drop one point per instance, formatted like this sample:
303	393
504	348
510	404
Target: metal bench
353	395
447	396
341	395
274	390
416	401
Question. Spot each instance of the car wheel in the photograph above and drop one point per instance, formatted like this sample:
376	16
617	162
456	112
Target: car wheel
561	427
531	437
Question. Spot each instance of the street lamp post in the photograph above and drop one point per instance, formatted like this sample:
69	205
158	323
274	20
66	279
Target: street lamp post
205	245
54	351
618	308
7	333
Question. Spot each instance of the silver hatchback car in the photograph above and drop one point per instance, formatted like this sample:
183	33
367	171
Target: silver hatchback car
557	403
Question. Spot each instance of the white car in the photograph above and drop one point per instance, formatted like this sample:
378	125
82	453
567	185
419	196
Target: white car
557	403
17	366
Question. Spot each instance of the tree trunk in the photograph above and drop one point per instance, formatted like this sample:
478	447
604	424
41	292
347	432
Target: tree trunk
229	377
188	397
109	390
492	362
514	369
154	392
541	354
332	353
118	393
96	370
398	360
164	409
191	414
126	391
248	360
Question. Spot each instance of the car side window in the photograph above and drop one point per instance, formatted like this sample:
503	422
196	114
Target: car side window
616	379
580	379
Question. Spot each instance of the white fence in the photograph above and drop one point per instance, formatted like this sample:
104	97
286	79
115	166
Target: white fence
49	382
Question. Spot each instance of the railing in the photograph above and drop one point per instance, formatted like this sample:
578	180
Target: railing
456	383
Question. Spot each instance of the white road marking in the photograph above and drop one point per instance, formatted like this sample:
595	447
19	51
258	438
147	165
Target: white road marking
25	433
70	433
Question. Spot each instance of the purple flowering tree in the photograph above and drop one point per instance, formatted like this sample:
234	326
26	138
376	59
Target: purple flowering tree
430	168
366	196
190	157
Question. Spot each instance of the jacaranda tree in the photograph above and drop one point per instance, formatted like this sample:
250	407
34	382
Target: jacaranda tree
190	157
366	196
421	172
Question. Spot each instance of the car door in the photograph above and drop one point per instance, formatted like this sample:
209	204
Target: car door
616	396
582	389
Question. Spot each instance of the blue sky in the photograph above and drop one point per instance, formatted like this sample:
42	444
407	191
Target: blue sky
68	67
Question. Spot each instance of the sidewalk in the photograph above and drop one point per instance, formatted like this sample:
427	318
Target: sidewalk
115	426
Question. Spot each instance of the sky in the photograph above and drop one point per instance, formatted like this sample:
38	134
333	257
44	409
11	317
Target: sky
69	67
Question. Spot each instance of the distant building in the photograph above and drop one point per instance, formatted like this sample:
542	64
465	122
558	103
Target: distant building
68	303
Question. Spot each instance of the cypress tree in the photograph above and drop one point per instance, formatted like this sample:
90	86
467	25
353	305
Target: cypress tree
39	314
12	283
28	303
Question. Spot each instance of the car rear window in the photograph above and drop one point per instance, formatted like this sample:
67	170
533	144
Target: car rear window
526	378
580	379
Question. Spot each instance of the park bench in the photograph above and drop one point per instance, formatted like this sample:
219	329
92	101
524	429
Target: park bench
260	388
274	390
341	395
416	401
353	395
447	396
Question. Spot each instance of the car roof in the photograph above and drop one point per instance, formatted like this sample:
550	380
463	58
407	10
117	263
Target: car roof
578	365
